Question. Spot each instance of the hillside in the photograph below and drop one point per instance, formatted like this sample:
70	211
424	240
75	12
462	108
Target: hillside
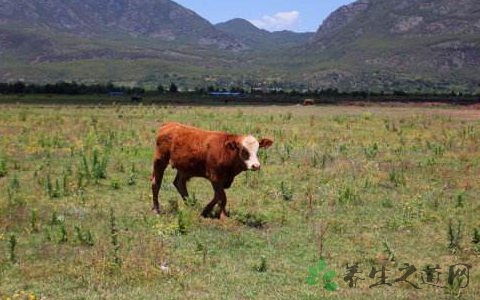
385	43
380	45
259	39
53	40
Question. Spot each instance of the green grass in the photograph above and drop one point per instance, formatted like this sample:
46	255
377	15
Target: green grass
374	185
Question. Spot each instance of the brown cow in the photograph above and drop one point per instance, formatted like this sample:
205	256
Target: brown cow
308	102
216	156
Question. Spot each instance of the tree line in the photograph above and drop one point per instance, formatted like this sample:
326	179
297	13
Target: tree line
74	88
66	88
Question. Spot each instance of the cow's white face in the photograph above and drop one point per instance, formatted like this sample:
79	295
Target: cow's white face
248	152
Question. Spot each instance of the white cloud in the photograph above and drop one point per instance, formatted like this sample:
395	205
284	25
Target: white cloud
279	21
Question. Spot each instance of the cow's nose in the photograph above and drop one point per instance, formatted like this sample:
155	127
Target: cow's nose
256	167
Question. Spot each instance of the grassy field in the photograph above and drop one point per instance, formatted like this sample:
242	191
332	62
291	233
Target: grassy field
381	186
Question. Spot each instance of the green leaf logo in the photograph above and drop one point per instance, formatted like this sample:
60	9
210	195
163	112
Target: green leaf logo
327	277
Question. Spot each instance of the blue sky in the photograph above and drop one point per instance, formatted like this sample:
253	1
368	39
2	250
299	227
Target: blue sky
272	15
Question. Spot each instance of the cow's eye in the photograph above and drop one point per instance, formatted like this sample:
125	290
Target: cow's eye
244	154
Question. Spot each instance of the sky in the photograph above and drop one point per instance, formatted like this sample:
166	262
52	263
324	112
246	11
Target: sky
271	15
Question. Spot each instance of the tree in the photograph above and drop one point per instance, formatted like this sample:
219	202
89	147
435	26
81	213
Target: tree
173	88
160	89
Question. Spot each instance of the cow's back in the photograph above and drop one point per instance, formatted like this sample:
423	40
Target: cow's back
188	148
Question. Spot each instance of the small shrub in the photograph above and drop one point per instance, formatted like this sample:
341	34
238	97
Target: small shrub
460	199
387	203
371	151
286	153
99	165
3	167
454	235
251	220
63	233
116	260
84	237
115	184
12	244
348	196
262	267
33	221
476	240
184	221
191	200
388	250
132	177
286	192
397	177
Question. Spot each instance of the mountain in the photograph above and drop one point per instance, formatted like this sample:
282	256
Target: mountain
378	45
63	39
161	20
259	39
384	43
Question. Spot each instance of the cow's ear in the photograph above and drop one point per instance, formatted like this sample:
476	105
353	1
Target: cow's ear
265	143
231	144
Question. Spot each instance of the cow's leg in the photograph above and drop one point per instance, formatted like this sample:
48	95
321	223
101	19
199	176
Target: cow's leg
219	197
223	204
180	182
159	166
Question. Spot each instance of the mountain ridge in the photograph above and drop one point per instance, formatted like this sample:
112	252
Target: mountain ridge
368	44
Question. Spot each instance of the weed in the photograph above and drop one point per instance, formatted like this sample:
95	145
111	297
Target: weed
99	165
286	153
184	221
52	190
454	288
454	235
249	219
476	240
116	260
33	221
114	184
132	177
21	295
191	200
460	200
165	229
262	267
371	151
320	231
348	196
203	249
286	191
12	244
84	237
96	170
63	233
173	205
251	179
397	177
3	167
13	192
56	219
263	156
343	149
387	203
387	249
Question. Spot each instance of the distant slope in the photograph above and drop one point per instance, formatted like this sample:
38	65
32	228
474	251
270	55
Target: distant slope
259	39
380	45
162	20
36	37
390	43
